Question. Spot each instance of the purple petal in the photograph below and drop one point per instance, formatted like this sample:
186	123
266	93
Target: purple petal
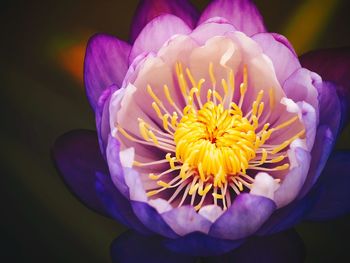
290	215
149	9
245	216
185	219
282	39
335	194
156	33
117	205
243	14
284	60
284	247
78	158
131	247
152	219
106	63
199	244
333	65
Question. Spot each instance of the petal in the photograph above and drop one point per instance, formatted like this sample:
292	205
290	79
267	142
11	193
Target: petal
117	205
284	60
333	65
131	247
213	27
199	244
149	9
327	132
106	63
150	217
102	117
285	247
78	158
245	216
184	220
156	33
335	194
294	180
243	14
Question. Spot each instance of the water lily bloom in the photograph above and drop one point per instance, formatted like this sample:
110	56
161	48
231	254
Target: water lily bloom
210	129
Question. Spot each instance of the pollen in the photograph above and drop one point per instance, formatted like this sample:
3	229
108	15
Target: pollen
213	144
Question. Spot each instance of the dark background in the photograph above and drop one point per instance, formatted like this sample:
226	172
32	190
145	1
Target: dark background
42	49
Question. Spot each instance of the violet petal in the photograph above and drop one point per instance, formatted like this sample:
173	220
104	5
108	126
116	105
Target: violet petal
245	216
243	14
106	63
131	247
78	158
147	10
117	205
149	216
333	65
284	60
199	244
156	33
286	247
335	194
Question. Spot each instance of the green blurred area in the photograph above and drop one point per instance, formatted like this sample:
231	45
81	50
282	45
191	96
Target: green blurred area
42	98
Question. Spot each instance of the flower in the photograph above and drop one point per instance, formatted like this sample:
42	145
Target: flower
210	129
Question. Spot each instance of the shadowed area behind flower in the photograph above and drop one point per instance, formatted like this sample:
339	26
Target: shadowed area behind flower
286	247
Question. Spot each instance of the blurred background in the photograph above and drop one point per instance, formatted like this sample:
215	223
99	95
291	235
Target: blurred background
42	51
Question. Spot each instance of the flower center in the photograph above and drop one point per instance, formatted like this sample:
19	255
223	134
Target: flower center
215	146
218	142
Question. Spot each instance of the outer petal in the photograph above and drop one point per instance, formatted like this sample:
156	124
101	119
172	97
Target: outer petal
284	60
335	194
243	14
245	216
78	158
131	247
156	33
117	205
106	63
199	244
150	9
284	247
333	65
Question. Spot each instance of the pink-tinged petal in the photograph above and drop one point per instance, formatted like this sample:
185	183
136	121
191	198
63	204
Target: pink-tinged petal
333	65
147	10
335	194
245	216
184	220
284	60
102	117
106	63
282	39
78	158
150	217
156	33
243	14
294	180
301	86
115	166
216	26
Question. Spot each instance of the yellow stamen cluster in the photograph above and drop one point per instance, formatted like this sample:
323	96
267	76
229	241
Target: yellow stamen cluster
211	145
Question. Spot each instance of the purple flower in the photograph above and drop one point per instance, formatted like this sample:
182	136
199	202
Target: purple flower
210	129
